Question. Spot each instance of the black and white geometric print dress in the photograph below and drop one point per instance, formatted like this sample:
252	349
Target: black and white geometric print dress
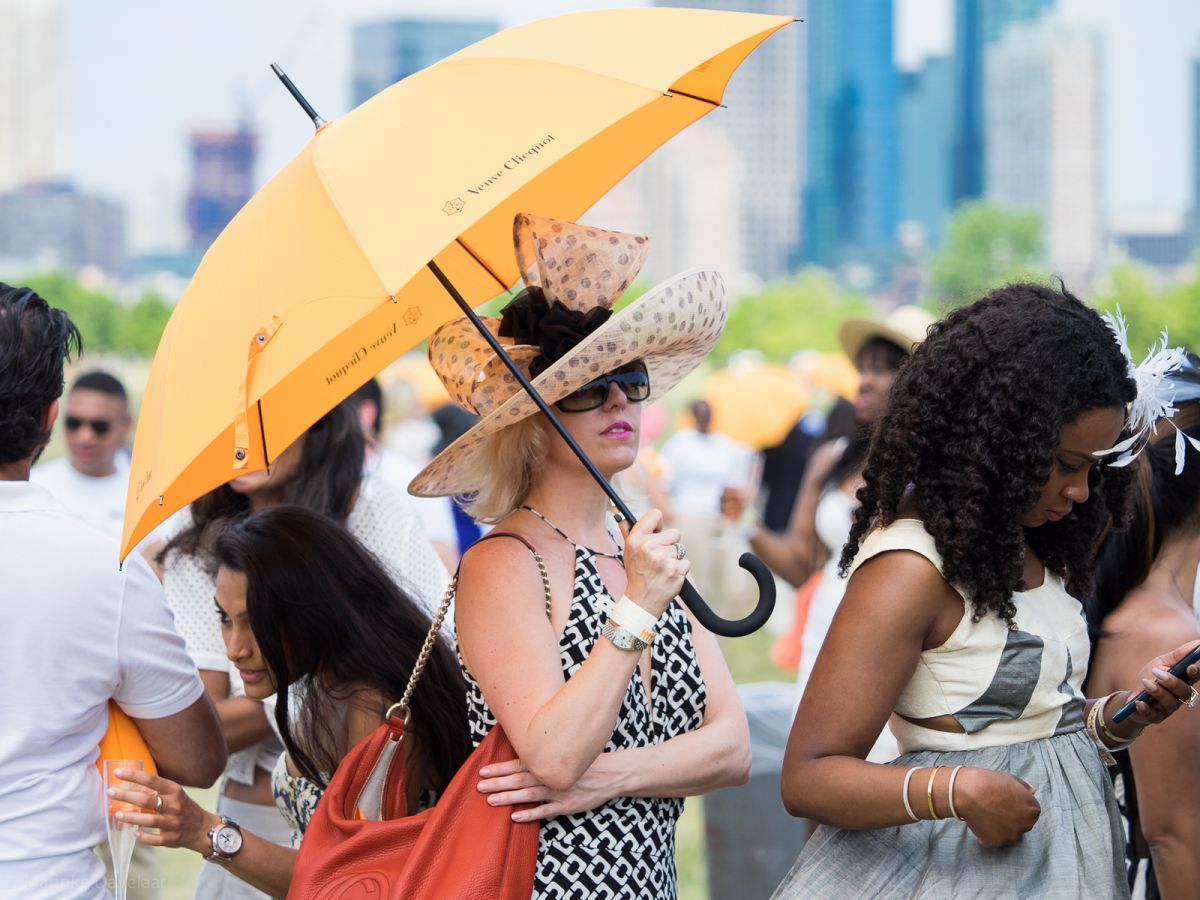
625	848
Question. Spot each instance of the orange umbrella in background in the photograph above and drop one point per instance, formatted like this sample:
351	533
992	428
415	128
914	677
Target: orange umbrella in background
832	372
397	217
757	404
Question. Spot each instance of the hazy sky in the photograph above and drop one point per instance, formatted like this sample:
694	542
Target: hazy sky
138	75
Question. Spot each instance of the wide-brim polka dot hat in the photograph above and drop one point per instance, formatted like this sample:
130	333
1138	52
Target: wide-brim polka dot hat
670	328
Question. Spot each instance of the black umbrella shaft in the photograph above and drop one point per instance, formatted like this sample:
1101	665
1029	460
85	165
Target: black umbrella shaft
532	392
317	121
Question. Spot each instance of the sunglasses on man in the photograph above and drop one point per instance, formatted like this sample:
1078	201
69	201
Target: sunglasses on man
100	427
632	378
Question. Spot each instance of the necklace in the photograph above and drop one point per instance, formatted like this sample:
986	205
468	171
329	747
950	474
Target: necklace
562	534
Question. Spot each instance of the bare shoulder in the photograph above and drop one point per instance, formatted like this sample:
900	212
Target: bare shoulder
499	564
904	590
1145	625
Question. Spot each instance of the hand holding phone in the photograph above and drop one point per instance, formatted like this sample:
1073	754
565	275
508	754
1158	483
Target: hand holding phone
1179	670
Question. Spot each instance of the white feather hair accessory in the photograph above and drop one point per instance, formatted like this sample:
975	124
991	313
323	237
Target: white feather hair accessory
1155	400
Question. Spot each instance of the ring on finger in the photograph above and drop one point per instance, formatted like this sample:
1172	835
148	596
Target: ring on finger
1192	700
680	550
158	803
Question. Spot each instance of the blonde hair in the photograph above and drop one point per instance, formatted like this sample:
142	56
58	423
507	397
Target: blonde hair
504	469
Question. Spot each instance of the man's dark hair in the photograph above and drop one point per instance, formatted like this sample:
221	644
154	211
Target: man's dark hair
35	341
101	382
373	392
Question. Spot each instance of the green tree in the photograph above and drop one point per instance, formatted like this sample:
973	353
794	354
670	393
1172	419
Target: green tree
140	327
800	314
94	313
1149	309
986	246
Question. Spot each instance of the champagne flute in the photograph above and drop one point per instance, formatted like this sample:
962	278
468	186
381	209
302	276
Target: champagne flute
121	835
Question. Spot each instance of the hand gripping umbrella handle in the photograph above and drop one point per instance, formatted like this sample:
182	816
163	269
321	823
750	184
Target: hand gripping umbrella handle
751	563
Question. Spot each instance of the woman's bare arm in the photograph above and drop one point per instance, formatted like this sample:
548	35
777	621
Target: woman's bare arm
796	555
557	727
896	604
1168	786
714	756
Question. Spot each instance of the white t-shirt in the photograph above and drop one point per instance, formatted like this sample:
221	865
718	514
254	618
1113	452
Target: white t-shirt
700	466
78	631
98	501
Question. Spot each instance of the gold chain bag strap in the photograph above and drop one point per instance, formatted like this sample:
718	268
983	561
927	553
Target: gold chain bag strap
402	707
362	842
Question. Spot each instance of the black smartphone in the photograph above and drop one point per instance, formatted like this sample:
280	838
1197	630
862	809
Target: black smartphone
1179	670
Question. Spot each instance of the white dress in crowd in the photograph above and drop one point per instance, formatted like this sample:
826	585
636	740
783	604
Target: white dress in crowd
835	515
384	521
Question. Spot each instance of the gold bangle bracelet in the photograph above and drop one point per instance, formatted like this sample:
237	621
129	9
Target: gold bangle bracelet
929	793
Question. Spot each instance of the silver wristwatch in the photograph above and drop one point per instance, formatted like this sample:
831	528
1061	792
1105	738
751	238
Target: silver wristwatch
226	840
623	637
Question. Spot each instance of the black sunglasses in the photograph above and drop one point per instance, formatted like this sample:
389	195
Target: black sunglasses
632	378
99	426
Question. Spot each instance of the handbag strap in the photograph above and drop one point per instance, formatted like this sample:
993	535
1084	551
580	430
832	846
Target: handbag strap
435	627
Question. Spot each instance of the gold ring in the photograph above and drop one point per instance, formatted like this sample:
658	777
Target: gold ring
1191	701
158	804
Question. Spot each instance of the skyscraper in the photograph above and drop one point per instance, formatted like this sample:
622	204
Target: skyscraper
1194	213
30	91
222	180
851	193
1044	140
389	50
52	225
976	24
750	171
926	147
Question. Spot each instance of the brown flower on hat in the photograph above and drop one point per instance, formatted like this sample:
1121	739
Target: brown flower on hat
562	333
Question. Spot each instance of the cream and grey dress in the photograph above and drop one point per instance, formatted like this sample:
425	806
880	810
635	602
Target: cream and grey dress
1018	696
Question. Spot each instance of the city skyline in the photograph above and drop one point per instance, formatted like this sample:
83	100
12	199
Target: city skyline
127	112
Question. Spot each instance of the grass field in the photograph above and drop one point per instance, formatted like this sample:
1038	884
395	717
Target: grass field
748	661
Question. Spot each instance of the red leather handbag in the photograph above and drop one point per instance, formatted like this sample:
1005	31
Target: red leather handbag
461	848
360	844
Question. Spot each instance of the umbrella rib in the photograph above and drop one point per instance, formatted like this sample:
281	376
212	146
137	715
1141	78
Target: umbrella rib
482	262
262	431
672	92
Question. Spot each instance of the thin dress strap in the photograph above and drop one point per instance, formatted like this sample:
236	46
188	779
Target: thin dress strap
562	534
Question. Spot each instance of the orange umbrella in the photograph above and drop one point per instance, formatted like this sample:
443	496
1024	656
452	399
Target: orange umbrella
324	277
832	372
756	405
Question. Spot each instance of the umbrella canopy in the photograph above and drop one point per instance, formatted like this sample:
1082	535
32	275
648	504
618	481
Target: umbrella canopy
321	280
756	405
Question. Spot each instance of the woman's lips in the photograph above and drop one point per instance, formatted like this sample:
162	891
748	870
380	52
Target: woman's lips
618	430
251	676
1055	515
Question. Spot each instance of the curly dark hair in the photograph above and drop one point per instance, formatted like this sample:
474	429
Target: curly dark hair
35	341
969	434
